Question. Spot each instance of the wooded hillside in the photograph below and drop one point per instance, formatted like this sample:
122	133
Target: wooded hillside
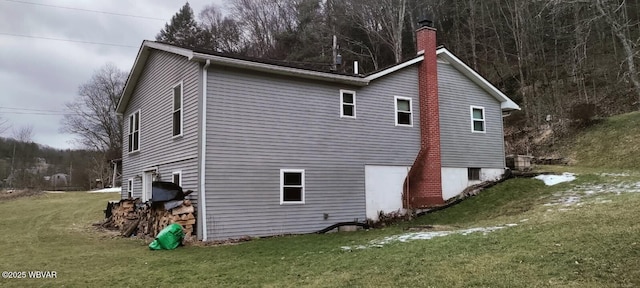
564	62
25	164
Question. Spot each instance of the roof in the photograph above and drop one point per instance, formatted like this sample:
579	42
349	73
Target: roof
288	69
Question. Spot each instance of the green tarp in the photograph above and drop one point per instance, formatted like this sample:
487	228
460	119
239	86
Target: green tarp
169	238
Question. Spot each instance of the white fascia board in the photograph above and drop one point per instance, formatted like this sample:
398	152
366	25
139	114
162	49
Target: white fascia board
136	70
395	68
275	69
138	66
505	103
170	48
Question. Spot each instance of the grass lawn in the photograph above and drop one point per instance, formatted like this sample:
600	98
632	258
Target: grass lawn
610	144
592	243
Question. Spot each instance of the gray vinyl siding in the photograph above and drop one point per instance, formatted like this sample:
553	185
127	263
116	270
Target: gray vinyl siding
258	124
459	146
153	95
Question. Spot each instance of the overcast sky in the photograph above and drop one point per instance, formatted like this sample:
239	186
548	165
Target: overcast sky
39	75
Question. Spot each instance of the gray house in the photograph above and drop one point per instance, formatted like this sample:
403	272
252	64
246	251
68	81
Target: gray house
272	149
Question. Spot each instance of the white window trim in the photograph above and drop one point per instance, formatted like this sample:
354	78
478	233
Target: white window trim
282	171
139	131
181	109
130	188
395	111
342	103
484	118
179	173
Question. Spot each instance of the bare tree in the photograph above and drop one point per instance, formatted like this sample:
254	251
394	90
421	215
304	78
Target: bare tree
4	125
23	172
261	22
382	20
94	119
615	14
220	33
23	134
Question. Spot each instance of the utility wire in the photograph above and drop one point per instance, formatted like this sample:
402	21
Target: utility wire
67	40
29	109
40	113
86	10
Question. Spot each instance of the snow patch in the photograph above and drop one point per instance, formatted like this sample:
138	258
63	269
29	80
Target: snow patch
551	180
425	235
578	193
108	190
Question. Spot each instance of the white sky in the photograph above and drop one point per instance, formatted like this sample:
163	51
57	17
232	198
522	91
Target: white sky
38	76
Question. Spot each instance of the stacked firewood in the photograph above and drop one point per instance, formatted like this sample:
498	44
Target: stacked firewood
121	213
132	217
153	220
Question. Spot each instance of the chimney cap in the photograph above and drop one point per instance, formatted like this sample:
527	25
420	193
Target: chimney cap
425	22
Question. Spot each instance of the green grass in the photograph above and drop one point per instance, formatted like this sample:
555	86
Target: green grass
592	245
614	143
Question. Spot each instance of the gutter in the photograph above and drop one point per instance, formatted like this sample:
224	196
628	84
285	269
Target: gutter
203	152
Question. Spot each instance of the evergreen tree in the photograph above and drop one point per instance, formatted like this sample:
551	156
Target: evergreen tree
183	29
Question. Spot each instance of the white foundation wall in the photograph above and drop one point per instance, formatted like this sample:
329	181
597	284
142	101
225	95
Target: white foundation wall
455	180
383	188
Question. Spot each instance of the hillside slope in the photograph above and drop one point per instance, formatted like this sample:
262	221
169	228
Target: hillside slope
614	143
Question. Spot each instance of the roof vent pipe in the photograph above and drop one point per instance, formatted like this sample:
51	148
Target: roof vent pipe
355	67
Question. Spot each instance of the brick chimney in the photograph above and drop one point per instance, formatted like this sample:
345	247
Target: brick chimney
423	186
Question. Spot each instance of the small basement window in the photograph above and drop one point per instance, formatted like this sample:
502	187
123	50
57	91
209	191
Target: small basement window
473	173
177	110
347	104
176	178
477	119
291	186
403	111
130	188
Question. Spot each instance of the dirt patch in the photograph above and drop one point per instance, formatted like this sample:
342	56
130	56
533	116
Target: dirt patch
6	195
194	242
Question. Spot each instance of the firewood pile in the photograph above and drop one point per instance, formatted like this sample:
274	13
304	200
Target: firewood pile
132	217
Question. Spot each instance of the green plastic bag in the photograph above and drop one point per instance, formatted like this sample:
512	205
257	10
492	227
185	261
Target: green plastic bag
169	238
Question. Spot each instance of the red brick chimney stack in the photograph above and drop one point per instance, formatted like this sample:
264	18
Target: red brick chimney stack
425	177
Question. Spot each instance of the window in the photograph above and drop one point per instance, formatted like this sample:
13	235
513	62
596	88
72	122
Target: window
477	119
403	111
176	177
134	131
347	104
473	173
291	186
130	188
177	110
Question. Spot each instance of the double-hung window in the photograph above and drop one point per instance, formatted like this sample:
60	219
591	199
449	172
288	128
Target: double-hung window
134	131
177	110
404	111
477	119
347	104
291	186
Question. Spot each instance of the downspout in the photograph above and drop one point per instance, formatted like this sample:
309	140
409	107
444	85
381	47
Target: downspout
203	152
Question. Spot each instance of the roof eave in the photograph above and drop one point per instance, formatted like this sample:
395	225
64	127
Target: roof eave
395	68
506	104
281	70
138	67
